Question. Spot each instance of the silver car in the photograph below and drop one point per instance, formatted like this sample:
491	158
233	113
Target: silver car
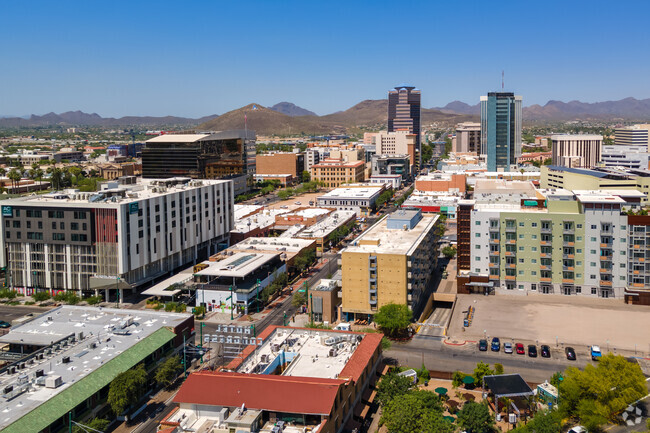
507	347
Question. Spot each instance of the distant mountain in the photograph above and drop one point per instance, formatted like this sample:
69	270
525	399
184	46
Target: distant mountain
459	107
79	118
291	109
628	108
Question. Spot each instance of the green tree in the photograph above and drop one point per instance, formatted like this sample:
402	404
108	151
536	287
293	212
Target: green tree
166	373
415	412
15	176
449	252
498	368
482	369
306	177
393	318
98	424
597	393
304	260
127	388
298	299
542	422
383	198
284	194
41	296
475	418
392	385
56	178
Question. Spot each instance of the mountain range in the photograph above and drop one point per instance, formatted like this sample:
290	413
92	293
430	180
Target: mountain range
628	109
287	118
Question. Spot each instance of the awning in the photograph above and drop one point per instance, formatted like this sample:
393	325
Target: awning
478	283
101	282
160	289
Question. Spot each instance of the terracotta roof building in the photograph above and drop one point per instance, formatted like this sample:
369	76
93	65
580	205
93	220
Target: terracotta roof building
295	378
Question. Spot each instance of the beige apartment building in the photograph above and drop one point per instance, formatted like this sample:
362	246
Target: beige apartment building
392	262
335	172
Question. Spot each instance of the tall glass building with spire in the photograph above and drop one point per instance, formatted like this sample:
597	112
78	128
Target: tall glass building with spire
501	130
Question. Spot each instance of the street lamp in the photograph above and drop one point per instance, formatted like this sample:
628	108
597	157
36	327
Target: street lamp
258	295
117	291
201	343
232	317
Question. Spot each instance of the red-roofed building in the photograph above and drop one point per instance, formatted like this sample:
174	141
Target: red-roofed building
308	378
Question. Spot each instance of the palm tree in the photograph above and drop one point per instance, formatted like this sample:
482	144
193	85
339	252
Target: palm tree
15	177
3	171
57	177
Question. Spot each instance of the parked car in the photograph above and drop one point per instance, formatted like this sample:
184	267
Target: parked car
482	345
532	351
298	203
520	349
570	353
595	353
545	351
578	429
4	324
496	344
507	347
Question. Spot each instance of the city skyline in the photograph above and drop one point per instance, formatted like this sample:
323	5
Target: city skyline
205	58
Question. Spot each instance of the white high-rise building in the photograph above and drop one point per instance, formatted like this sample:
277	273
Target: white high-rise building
576	151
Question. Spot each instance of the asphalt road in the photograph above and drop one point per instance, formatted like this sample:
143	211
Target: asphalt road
441	357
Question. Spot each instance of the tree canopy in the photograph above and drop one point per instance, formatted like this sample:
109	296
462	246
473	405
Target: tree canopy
167	371
597	393
415	412
393	318
392	385
449	252
475	418
127	388
542	422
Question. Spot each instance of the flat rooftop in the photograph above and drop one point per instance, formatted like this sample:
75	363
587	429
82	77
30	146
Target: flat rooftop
178	138
368	192
259	220
326	226
276	245
241	210
304	353
238	265
142	190
112	331
309	212
379	239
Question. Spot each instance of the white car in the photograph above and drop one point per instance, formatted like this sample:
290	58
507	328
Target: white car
507	347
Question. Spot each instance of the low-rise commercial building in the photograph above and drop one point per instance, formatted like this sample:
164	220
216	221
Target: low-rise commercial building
291	380
324	232
393	181
392	262
441	182
361	200
61	363
281	164
121	237
324	300
626	156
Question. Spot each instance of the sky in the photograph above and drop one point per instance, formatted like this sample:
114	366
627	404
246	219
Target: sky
195	58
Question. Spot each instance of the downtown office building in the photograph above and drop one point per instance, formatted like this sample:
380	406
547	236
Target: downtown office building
501	130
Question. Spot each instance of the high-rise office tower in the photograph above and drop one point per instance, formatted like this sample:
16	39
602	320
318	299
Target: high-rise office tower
404	112
501	130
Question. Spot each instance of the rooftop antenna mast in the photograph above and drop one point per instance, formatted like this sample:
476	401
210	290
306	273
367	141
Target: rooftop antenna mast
502	80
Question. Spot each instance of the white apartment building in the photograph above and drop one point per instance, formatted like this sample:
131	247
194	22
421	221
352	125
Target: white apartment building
312	156
122	237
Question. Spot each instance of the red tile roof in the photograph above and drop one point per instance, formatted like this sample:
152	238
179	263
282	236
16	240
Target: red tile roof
304	395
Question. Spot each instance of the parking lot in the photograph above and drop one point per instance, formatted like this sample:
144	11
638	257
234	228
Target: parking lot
575	321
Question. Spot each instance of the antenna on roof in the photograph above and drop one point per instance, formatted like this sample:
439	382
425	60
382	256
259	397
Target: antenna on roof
502	80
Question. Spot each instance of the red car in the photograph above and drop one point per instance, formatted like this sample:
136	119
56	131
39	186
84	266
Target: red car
520	349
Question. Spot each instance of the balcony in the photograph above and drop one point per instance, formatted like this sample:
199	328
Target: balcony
605	270
373	291
511	229
568	268
569	244
605	283
635	272
636	247
545	280
511	265
494	229
606	258
568	256
494	277
567	280
545	242
511	241
548	230
372	301
545	267
494	265
637	285
568	231
511	277
606	245
494	241
494	253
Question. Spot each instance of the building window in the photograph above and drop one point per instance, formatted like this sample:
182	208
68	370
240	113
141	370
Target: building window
478	235
593	277
594	291
74	226
579	226
592	264
533	273
521	248
35	236
622	252
533	287
593	227
533	248
16	224
592	251
579	251
55	214
477	258
534	236
478	223
622	265
533	224
593	239
58	236
622	240
477	270
477	247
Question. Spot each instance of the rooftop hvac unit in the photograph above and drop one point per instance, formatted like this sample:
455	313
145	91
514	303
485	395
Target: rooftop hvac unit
7	389
332	352
66	360
40	373
12	370
264	358
53	382
80	336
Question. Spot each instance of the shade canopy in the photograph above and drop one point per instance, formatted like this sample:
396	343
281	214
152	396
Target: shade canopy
468	380
507	385
441	390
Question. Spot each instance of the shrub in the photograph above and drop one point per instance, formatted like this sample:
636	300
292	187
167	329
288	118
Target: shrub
41	296
94	300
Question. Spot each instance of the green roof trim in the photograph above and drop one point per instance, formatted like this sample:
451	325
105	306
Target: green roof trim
62	403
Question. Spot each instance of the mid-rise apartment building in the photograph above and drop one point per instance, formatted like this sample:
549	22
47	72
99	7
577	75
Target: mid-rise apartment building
392	262
335	172
579	151
121	237
391	164
571	243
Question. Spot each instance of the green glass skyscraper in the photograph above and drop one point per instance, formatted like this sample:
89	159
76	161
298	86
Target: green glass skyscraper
501	130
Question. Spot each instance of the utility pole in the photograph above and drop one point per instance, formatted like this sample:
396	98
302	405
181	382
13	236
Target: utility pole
201	343
232	317
184	361
117	292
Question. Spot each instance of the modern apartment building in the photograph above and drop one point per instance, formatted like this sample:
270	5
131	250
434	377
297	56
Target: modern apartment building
335	172
200	156
468	138
281	163
121	237
404	113
391	164
636	135
391	263
501	130
312	157
571	243
578	151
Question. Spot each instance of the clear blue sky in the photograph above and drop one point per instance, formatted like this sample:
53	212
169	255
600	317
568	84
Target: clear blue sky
194	58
